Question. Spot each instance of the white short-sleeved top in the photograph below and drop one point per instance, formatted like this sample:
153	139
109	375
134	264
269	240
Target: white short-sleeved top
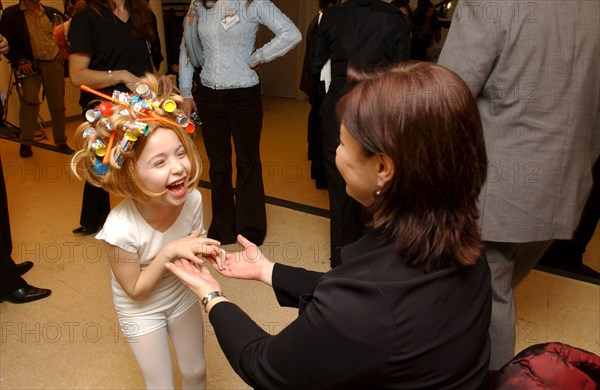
127	229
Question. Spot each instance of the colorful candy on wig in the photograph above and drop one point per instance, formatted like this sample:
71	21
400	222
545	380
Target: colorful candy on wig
143	103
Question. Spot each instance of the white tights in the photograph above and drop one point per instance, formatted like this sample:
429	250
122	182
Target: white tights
187	336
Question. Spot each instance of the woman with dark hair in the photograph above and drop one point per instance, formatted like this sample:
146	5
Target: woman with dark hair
409	306
112	44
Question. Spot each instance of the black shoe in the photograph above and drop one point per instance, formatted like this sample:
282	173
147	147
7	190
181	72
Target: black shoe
64	148
25	151
23	267
85	231
26	294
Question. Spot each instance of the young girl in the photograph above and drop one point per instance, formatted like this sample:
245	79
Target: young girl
138	149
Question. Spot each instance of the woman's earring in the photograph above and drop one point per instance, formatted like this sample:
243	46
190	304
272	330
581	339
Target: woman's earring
377	192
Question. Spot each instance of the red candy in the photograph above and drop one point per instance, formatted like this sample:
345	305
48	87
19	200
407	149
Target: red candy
105	108
190	128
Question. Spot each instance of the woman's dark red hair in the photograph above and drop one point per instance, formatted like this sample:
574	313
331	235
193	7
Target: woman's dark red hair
425	118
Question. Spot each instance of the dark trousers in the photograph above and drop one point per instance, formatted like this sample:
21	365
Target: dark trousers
237	114
95	206
569	253
9	279
315	149
344	212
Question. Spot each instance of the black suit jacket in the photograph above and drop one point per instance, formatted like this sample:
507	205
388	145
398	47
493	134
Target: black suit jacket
357	32
372	322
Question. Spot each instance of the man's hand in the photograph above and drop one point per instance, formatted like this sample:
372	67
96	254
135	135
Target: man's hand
3	45
25	68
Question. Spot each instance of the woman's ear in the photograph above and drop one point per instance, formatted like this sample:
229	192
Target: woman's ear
385	170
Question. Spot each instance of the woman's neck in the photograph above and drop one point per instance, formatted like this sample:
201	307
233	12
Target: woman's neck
119	3
120	11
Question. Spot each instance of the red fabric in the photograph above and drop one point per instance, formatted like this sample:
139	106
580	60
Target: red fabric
550	366
59	32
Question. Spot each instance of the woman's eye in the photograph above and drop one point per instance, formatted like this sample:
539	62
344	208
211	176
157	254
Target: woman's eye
159	163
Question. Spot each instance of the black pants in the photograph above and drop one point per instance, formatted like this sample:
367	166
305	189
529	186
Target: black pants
344	212
95	206
237	114
569	253
315	149
9	278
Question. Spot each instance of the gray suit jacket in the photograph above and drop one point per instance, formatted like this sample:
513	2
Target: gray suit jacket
535	70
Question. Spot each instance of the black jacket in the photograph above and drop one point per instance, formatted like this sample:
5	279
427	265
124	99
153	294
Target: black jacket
373	322
357	32
14	28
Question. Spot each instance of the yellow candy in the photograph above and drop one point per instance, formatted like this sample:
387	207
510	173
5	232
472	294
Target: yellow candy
169	106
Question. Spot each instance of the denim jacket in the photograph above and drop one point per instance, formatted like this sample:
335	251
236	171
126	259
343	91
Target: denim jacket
228	55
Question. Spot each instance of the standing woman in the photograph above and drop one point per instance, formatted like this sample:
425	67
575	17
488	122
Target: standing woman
112	44
230	106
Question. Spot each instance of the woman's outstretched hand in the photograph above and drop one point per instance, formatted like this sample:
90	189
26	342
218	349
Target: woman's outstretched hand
249	264
197	278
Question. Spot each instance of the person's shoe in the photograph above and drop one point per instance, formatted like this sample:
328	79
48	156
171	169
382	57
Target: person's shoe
64	148
26	294
23	267
85	231
25	151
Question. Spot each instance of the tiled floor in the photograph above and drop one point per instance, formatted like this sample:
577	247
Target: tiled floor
71	339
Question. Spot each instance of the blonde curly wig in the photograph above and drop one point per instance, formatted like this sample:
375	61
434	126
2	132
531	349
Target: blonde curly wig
117	172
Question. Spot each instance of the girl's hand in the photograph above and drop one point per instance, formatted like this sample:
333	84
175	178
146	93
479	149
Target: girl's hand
250	264
197	278
192	245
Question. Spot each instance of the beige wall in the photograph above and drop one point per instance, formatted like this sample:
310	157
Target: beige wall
282	76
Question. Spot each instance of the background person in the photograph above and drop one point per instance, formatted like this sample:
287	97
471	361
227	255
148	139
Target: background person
539	109
315	88
425	29
356	32
12	287
37	61
230	106
409	306
111	46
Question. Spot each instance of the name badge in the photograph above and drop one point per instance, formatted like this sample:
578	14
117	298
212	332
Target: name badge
230	21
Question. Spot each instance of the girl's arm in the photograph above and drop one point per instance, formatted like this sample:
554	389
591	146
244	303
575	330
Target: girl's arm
137	283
